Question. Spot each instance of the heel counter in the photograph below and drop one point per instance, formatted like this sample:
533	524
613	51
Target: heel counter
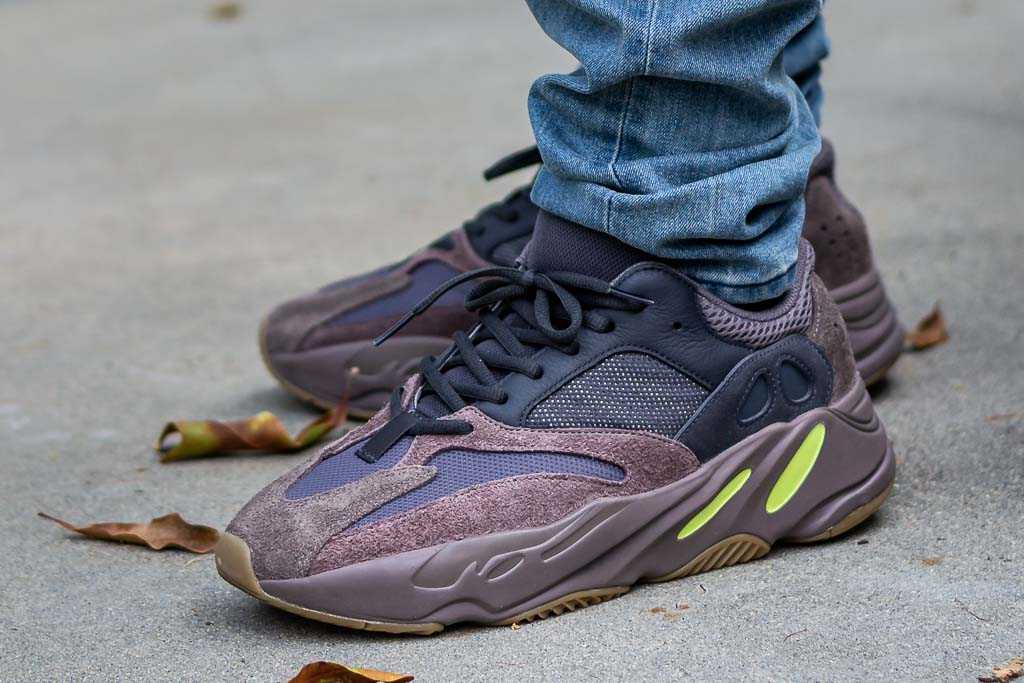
828	331
836	229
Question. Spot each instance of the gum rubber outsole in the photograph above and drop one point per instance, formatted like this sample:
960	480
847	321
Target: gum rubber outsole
234	563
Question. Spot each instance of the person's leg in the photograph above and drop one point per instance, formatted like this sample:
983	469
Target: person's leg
802	61
680	134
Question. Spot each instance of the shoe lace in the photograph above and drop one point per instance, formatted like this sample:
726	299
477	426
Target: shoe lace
504	211
521	310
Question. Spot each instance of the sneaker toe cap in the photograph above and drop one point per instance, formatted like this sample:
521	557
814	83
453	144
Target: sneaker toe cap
283	536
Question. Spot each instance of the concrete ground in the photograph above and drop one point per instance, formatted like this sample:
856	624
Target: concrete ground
165	178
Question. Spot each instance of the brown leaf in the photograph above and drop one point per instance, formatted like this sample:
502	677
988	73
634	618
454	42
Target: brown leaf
930	331
225	11
331	672
169	531
931	561
185	439
1005	672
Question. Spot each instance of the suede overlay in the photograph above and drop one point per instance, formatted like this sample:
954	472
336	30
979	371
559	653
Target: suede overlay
440	323
284	535
834	226
296	324
828	331
649	461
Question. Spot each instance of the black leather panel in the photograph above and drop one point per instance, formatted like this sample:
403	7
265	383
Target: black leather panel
720	422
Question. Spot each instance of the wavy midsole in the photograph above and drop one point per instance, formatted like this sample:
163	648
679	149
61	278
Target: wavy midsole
619	541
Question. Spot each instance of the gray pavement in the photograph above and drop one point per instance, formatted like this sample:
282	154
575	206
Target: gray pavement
165	178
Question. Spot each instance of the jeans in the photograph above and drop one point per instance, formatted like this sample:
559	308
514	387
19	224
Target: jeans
682	132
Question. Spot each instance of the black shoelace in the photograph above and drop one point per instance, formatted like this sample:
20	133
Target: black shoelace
521	310
505	210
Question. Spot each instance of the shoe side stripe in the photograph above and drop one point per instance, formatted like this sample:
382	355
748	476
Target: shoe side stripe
717	503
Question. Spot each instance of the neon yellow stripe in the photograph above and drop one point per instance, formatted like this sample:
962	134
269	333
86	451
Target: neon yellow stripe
800	465
716	504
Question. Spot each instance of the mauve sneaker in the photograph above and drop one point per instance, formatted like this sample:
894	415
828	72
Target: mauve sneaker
310	343
839	235
607	422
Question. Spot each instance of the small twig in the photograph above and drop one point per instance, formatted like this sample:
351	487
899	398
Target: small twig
794	633
964	607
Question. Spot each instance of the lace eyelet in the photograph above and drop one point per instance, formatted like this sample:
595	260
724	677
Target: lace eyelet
538	374
677	325
503	401
610	327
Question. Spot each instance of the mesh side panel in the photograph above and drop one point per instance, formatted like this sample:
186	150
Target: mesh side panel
625	391
458	470
344	467
763	328
426	277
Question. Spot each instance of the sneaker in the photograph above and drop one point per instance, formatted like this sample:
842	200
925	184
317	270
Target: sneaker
839	235
608	422
310	343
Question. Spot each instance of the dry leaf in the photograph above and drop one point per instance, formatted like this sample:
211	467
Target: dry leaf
185	439
931	561
930	331
331	672
225	11
169	531
1005	672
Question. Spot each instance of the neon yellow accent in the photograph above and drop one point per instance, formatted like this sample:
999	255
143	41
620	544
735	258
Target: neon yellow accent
800	465
716	504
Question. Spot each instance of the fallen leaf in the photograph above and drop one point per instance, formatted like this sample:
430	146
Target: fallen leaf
331	672
225	11
930	331
1005	672
186	439
931	561
169	531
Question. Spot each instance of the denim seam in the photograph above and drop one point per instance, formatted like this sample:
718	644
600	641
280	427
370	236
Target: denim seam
619	135
652	12
647	39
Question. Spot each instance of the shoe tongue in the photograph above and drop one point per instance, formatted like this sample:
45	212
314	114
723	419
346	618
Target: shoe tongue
558	245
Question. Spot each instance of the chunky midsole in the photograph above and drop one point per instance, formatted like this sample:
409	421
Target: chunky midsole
324	375
875	333
619	541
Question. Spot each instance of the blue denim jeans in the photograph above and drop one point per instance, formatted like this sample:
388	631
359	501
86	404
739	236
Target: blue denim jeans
682	132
